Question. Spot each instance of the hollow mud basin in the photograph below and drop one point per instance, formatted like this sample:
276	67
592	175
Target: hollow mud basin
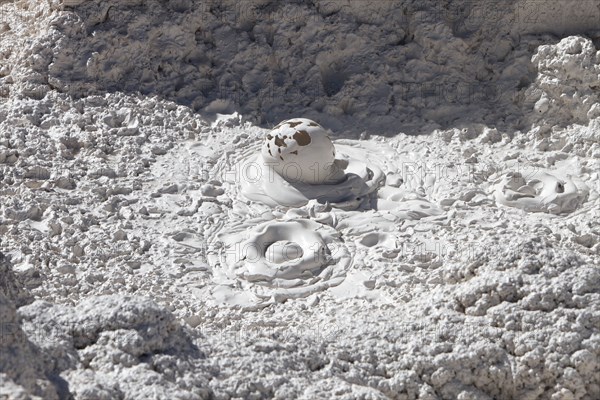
279	259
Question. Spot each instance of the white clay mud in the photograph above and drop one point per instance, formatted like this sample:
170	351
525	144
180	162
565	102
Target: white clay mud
428	228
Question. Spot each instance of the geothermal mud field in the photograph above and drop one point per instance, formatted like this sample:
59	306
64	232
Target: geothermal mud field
307	199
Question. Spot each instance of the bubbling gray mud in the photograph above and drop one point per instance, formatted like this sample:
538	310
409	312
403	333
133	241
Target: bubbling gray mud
301	150
304	239
298	163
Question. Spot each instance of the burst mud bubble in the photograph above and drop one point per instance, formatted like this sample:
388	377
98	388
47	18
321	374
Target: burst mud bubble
544	192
